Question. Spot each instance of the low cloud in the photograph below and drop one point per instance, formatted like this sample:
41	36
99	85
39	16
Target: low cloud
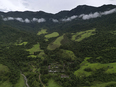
38	20
19	19
27	20
55	20
69	18
96	14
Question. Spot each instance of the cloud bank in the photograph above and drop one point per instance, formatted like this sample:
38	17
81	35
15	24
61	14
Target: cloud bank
26	20
69	18
96	14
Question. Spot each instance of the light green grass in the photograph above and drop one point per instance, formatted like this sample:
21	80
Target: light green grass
68	54
52	83
43	31
103	84
5	84
79	36
33	56
21	82
3	68
111	68
54	34
35	48
56	43
113	32
23	43
42	55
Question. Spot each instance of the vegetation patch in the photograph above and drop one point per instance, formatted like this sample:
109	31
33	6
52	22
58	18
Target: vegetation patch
54	34
35	48
21	82
23	43
79	36
3	68
52	83
43	31
5	84
56	43
67	54
86	68
104	84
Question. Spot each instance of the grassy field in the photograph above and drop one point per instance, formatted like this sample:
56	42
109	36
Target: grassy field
68	54
111	68
23	43
54	34
43	31
5	84
56	43
42	55
79	36
52	83
35	48
3	68
21	82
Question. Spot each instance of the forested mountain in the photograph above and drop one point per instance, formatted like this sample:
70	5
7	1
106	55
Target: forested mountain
75	48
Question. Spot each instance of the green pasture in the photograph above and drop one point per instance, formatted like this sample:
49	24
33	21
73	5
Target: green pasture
54	34
21	82
103	84
5	84
56	43
3	68
52	83
68	54
23	43
35	48
79	36
43	31
111	68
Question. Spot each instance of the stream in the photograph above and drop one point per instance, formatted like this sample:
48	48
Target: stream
25	80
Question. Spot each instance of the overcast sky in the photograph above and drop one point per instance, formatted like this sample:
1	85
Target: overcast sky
51	6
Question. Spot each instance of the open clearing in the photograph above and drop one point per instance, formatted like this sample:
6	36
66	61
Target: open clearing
54	34
3	68
5	84
42	55
52	83
23	43
35	48
56	43
111	68
67	54
21	82
43	31
79	36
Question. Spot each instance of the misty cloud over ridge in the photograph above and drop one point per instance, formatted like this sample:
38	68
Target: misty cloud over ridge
26	20
96	14
69	18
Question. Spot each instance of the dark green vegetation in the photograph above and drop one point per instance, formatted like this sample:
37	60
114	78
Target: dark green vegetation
79	53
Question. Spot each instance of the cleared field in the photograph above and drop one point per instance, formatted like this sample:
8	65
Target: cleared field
42	55
111	68
104	84
21	82
43	31
3	68
35	48
67	54
79	36
52	83
56	43
54	34
23	43
5	84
